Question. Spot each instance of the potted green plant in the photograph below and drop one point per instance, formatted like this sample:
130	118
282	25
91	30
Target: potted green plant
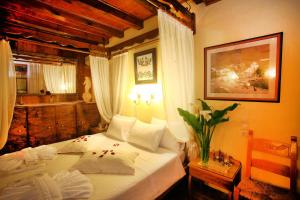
204	124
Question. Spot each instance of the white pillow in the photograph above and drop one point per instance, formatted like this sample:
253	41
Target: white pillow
79	145
107	162
145	135
119	127
168	140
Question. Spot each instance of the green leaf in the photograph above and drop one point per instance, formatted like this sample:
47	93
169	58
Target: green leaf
216	121
190	119
205	106
221	113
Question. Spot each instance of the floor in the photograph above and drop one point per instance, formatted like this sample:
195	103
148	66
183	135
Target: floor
199	192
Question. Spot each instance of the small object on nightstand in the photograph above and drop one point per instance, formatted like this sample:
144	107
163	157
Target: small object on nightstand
215	173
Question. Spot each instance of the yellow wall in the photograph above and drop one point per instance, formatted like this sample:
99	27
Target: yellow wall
234	20
142	110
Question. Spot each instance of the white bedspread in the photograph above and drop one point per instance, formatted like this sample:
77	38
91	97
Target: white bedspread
154	172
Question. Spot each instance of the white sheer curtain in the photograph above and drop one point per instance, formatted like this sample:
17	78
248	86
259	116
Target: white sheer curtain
119	74
69	77
35	78
53	75
177	49
100	79
7	90
60	79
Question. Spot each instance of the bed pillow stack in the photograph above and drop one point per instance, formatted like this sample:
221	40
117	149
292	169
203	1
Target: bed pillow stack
147	136
168	140
107	162
119	127
78	145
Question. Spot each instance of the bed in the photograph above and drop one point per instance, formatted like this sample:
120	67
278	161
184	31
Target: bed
154	172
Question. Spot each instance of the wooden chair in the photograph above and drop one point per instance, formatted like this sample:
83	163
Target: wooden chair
252	189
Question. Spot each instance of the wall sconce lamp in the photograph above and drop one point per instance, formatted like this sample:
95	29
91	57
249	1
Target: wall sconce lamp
149	99
147	94
137	98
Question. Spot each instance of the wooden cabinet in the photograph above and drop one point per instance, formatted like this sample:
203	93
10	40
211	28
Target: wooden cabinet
41	125
35	125
65	120
87	117
49	124
17	134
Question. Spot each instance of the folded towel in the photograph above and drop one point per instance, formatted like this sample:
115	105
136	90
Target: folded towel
63	185
26	158
73	185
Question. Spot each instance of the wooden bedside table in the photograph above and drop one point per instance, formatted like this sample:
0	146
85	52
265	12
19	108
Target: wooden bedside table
215	174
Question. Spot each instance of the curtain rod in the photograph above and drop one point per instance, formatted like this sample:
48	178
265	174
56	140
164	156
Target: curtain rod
134	47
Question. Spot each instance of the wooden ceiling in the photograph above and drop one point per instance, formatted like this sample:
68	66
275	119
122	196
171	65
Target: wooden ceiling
80	25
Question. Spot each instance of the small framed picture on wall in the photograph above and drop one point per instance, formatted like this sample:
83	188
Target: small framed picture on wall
145	67
247	70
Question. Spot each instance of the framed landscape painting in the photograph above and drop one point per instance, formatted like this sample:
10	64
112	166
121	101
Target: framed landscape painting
145	68
247	70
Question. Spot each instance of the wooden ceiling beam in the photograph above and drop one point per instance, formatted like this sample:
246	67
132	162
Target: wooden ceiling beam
180	13
207	2
139	39
29	33
148	6
156	3
131	20
45	44
15	17
183	13
178	7
38	17
33	27
71	15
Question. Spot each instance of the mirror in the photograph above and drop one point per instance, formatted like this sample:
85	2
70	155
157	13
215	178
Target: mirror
35	78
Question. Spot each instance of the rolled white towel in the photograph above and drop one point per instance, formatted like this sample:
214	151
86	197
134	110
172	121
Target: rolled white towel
46	152
26	158
63	185
36	188
74	185
30	155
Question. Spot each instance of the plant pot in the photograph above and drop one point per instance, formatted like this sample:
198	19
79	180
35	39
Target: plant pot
204	153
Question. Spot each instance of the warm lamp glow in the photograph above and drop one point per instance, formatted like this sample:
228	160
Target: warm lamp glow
148	93
63	87
270	73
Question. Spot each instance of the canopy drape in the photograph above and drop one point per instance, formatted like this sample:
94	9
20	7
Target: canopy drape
177	57
60	79
35	78
119	72
7	90
100	79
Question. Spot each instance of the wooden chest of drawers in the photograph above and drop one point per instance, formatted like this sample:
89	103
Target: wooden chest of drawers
44	124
